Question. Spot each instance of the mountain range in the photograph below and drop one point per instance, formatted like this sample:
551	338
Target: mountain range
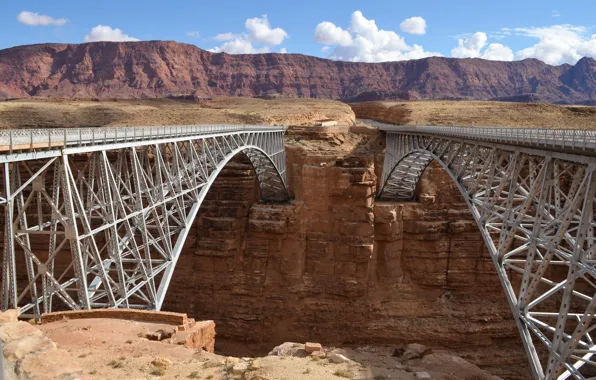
153	69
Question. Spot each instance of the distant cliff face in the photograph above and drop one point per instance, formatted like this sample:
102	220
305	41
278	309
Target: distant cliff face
106	70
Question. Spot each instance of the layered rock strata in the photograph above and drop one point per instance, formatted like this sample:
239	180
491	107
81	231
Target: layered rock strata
337	267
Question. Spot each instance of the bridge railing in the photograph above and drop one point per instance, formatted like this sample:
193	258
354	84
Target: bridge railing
539	137
23	139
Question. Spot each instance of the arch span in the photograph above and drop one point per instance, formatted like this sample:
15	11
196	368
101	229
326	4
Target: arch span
535	211
108	227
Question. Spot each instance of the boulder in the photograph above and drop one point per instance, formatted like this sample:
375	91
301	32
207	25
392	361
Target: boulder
10	315
318	354
48	365
289	349
312	347
14	330
414	351
19	348
338	359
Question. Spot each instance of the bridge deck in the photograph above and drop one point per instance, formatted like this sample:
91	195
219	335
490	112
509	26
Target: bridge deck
566	140
47	138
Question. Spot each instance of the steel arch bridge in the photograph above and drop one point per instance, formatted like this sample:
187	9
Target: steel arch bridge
98	217
532	194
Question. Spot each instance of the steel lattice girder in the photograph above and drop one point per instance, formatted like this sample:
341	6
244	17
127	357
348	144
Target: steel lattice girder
535	210
103	225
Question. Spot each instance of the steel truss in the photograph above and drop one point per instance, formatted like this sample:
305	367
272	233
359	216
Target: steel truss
535	210
103	225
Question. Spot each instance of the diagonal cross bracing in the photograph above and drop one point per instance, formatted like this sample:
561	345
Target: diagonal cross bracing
98	217
532	194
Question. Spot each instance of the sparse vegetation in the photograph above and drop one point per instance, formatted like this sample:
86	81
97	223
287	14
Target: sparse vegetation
194	375
116	364
306	371
343	373
129	341
212	364
157	371
93	372
380	377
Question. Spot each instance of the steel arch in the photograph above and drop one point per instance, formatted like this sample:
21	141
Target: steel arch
535	211
110	228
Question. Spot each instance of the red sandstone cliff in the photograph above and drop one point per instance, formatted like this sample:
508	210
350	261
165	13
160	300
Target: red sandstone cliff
163	68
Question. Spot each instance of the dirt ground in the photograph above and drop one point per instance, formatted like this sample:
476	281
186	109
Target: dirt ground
228	110
479	113
235	110
117	349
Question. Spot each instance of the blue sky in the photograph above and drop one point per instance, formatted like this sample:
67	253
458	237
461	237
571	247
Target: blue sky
504	30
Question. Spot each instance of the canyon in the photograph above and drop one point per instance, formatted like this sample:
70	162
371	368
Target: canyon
339	267
156	69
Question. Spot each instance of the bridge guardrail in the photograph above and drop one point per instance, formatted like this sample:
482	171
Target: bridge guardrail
23	139
539	137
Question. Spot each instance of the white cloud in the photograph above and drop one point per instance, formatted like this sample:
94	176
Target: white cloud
195	34
106	33
557	44
328	33
283	51
259	32
324	49
35	19
364	41
239	46
498	52
413	25
224	36
472	48
555	13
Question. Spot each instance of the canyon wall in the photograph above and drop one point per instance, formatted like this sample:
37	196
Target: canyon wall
336	266
153	69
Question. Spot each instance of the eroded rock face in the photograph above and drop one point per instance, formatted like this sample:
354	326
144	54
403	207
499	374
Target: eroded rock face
336	267
149	69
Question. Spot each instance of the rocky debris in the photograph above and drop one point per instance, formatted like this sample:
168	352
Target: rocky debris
318	355
10	315
312	347
449	364
422	375
194	334
289	349
161	334
338	358
240	367
183	70
161	362
199	335
414	351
